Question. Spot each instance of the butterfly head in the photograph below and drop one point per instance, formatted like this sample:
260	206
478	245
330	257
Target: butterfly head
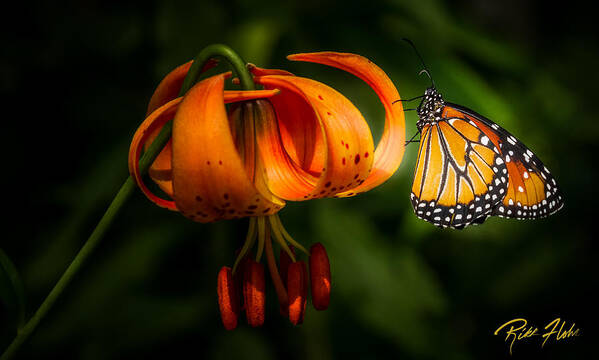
430	108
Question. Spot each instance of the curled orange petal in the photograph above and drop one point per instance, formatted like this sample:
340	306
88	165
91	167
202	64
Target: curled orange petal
324	146
169	87
209	178
258	71
389	151
163	176
167	90
151	124
228	301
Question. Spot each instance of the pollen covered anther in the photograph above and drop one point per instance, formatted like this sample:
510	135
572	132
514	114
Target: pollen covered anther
297	291
320	277
228	300
284	262
253	293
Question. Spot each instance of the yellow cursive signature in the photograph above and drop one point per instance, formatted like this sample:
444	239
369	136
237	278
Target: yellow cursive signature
518	329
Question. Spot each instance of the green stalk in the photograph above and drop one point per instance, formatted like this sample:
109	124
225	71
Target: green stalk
128	188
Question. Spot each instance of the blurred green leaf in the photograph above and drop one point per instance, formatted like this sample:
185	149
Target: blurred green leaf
12	292
392	288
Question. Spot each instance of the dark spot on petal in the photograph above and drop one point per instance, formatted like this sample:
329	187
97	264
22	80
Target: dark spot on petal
320	97
334	189
198	198
356	176
343	161
226	196
342	142
249	212
207	162
231	211
347	146
327	184
220	162
366	154
329	113
266	210
227	204
322	192
357	159
252	207
341	187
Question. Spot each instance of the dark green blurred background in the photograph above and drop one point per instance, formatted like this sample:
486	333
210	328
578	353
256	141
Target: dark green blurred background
76	76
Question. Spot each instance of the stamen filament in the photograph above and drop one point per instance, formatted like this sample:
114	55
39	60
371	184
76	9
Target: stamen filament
287	236
249	242
279	237
274	274
263	232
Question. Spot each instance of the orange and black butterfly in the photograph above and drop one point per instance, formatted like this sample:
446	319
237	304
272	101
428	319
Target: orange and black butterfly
470	168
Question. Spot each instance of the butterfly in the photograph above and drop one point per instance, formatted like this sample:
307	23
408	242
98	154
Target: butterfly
470	168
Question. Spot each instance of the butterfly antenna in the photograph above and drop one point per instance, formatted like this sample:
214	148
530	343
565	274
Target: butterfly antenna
425	70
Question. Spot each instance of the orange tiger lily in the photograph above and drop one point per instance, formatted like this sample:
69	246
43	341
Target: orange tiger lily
295	140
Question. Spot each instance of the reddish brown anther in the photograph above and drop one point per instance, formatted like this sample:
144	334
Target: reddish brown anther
320	277
238	277
297	291
228	300
284	261
253	293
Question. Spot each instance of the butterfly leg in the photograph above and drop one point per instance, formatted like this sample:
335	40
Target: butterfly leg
412	139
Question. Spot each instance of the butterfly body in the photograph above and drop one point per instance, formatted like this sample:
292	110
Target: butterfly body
469	168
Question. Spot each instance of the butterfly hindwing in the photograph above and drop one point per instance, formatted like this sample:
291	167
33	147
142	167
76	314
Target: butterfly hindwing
532	190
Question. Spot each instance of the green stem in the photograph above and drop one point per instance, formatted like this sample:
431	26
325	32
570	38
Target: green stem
125	192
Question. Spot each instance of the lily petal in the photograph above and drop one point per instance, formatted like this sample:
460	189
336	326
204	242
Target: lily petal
209	179
389	152
326	143
258	71
167	90
169	87
147	132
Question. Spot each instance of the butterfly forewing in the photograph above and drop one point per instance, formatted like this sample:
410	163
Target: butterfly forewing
460	175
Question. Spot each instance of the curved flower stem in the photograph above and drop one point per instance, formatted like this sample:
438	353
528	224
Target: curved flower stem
126	191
